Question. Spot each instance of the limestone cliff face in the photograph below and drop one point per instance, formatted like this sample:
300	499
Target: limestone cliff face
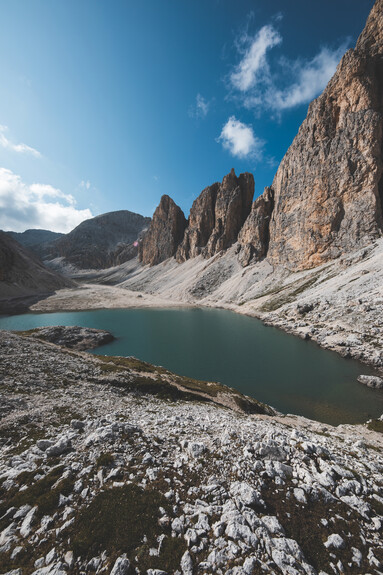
201	224
328	190
217	216
254	235
165	233
232	207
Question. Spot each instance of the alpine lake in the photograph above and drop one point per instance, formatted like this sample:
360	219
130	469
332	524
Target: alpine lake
293	375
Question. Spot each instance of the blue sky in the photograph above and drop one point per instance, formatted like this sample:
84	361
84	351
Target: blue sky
107	105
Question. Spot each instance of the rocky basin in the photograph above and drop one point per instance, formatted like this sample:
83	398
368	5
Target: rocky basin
102	472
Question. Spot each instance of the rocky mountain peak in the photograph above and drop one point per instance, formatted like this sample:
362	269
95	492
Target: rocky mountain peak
371	39
328	189
217	216
164	234
100	242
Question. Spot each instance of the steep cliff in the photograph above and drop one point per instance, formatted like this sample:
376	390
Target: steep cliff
165	233
254	235
217	216
232	207
328	189
201	224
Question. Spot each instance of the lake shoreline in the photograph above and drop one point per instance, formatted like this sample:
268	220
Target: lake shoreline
88	297
214	345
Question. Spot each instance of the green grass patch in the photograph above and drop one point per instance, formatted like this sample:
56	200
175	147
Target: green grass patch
20	435
125	520
39	493
290	295
166	387
105	459
169	557
375	425
302	522
64	415
113	364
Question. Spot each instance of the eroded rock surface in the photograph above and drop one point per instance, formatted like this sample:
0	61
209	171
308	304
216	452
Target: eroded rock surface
201	224
371	381
165	233
98	477
217	216
328	188
254	235
232	207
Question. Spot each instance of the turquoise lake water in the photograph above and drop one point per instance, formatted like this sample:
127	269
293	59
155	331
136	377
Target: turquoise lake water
293	375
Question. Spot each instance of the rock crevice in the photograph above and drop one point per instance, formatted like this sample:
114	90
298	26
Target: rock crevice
254	236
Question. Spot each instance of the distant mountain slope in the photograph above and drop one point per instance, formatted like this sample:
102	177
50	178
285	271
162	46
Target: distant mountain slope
31	238
100	242
22	273
36	240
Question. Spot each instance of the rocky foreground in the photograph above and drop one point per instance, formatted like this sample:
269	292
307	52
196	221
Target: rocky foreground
110	465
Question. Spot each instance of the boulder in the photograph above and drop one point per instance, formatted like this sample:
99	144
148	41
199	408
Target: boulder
371	381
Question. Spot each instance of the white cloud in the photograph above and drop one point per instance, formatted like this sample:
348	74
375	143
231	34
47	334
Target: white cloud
200	109
254	62
39	206
239	139
281	84
19	148
311	77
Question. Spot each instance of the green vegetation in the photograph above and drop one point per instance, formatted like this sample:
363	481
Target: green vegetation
27	332
125	519
302	522
105	459
64	415
375	425
290	295
20	435
113	364
167	385
39	493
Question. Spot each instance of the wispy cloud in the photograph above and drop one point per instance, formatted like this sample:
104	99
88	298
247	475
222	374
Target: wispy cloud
279	84
311	77
85	185
239	139
19	148
254	62
37	205
200	108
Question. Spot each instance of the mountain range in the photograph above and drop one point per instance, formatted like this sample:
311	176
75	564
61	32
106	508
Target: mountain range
321	215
